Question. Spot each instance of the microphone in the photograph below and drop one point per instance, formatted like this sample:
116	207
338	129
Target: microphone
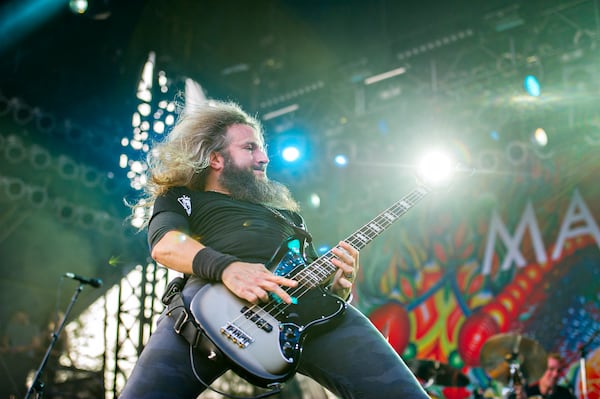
94	282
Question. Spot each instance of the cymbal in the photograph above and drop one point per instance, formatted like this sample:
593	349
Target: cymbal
434	372
501	349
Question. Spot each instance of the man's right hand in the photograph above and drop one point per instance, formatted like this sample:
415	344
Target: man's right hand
253	282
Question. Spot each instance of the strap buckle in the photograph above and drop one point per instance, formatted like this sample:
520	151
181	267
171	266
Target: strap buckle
182	319
186	327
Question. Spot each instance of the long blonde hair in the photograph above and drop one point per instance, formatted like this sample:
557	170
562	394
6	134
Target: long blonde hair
183	157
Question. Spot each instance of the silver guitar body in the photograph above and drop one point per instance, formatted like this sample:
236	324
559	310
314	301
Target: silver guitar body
263	344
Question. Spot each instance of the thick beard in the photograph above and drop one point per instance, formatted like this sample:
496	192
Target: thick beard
243	185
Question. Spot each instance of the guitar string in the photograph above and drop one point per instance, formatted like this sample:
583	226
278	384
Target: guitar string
323	266
306	282
382	221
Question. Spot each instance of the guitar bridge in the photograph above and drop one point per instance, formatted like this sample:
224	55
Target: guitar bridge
236	335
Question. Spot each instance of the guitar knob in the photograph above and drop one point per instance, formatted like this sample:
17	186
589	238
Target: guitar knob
287	349
289	333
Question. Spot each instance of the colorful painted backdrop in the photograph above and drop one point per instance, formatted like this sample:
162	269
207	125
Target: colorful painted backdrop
515	250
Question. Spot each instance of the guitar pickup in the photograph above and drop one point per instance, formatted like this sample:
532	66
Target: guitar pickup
259	321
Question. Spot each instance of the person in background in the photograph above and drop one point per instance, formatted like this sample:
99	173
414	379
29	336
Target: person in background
547	386
215	216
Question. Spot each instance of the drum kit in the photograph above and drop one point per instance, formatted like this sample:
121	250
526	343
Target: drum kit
511	359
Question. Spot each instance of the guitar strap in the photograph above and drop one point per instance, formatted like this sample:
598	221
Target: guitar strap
297	224
185	325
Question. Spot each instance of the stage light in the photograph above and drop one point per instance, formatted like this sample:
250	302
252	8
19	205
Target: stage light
37	196
290	153
22	113
539	137
86	217
291	147
532	86
383	76
39	157
314	200
341	152
74	134
94	9
144	109
90	176
341	160
488	160
516	152
44	122
67	168
14	151
158	127
14	189
78	6
435	167
280	112
65	211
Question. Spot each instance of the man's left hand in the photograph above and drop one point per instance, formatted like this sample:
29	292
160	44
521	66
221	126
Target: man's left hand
346	260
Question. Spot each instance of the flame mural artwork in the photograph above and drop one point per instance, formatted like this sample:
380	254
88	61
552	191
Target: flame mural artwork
517	254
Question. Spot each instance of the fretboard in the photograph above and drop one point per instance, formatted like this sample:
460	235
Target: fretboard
321	269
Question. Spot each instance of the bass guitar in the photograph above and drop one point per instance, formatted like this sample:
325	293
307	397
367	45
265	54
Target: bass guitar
264	342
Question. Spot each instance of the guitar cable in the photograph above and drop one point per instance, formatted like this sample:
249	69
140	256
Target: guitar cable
207	386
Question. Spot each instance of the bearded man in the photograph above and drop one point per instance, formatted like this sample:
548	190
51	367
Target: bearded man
215	216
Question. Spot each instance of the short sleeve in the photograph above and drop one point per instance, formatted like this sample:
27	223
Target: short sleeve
170	212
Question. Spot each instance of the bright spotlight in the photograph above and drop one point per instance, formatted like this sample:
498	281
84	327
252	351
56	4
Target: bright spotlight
539	137
314	200
435	167
340	160
532	86
341	152
78	6
290	154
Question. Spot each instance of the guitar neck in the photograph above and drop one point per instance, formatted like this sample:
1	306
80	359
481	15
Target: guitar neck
322	269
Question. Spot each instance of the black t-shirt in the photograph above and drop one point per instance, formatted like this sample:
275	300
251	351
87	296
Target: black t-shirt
249	231
559	392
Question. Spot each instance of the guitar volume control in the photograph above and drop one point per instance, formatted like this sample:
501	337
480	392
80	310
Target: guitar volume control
288	349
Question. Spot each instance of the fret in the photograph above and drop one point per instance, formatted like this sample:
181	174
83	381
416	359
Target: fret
324	270
364	239
382	224
391	217
313	278
375	226
321	269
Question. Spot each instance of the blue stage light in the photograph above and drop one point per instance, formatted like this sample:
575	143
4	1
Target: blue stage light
290	153
340	160
532	85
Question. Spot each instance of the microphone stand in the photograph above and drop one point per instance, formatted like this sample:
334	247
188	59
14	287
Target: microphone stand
37	385
583	373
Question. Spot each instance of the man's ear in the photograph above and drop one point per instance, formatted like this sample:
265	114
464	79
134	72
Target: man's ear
216	160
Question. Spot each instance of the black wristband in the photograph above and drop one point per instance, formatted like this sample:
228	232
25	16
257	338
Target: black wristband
209	264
